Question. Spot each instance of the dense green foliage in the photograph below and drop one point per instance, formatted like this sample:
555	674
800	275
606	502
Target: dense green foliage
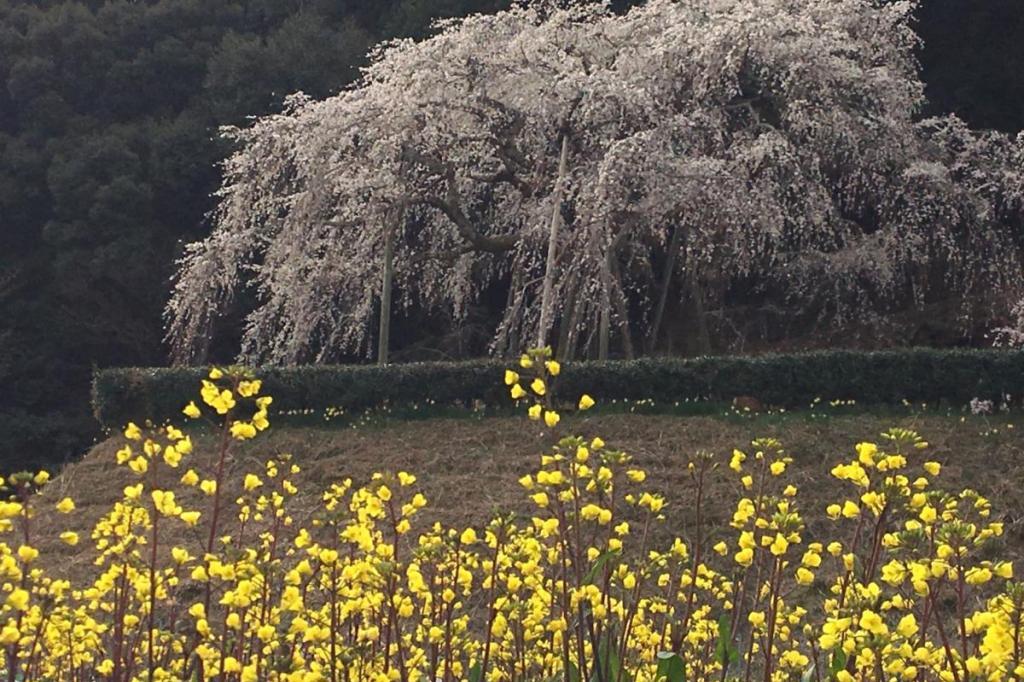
108	150
950	377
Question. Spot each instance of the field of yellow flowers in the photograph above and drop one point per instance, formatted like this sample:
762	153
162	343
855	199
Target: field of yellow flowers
216	572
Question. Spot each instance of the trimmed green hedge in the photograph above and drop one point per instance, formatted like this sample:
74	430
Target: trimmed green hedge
935	376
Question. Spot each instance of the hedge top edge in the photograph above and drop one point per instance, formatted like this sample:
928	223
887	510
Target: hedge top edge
872	377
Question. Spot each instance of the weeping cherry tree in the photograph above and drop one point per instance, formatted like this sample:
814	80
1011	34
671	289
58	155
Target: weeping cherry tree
602	168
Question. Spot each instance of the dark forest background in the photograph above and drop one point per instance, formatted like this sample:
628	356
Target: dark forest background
108	157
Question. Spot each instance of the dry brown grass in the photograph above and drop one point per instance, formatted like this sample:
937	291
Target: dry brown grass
468	469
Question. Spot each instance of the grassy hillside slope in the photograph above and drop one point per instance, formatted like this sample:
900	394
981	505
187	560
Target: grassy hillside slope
468	468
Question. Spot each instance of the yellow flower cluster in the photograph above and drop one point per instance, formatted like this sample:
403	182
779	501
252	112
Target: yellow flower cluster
904	588
540	364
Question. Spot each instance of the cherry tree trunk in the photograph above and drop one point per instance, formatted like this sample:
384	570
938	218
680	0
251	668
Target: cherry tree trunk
514	301
701	333
622	310
604	324
383	338
570	320
546	304
666	280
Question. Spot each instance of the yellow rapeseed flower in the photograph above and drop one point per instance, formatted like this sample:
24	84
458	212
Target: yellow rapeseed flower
248	389
243	430
907	626
290	581
804	576
636	475
873	623
18	599
779	545
171	456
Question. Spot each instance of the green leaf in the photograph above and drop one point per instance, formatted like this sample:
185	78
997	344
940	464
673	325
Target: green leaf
838	662
722	645
807	674
475	673
725	651
607	665
598	563
670	668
